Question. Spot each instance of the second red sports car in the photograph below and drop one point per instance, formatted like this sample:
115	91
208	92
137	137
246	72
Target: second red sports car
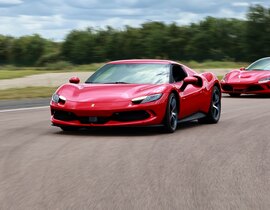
255	79
138	93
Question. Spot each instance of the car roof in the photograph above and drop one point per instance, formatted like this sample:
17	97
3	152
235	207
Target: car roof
155	61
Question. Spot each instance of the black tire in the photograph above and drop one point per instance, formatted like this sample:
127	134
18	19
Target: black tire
234	94
69	128
171	116
213	114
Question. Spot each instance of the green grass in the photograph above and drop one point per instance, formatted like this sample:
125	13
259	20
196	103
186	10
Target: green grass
214	64
28	92
10	72
219	77
31	92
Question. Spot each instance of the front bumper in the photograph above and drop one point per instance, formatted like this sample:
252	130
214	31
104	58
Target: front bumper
247	88
85	114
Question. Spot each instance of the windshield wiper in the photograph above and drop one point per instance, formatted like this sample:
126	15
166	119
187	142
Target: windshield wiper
116	83
256	70
108	82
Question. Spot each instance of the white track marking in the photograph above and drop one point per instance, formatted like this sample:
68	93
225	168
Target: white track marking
23	109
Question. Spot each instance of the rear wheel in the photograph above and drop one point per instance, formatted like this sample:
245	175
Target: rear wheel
213	114
234	94
171	117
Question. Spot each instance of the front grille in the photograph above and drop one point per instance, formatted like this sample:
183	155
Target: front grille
239	90
118	116
99	120
64	116
130	116
255	88
227	87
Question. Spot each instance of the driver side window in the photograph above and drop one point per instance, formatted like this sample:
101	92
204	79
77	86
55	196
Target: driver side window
178	73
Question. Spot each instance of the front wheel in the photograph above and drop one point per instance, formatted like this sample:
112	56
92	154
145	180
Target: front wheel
171	117
213	114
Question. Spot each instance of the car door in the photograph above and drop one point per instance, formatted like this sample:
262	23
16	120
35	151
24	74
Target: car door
190	98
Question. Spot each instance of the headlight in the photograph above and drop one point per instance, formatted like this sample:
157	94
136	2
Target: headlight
266	79
55	98
146	99
58	99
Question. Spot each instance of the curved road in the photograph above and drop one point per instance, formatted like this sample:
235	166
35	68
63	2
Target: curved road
222	166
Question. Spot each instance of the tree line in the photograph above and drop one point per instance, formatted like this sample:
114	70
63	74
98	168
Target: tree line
210	39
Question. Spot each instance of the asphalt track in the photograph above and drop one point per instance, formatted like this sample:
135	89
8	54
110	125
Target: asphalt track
222	166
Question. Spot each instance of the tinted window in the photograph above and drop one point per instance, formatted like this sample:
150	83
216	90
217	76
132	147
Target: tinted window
262	64
132	73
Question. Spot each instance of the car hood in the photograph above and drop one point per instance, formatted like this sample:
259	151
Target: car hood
247	76
108	92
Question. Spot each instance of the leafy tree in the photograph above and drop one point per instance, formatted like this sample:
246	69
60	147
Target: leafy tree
27	50
209	39
257	32
155	39
5	47
79	47
177	40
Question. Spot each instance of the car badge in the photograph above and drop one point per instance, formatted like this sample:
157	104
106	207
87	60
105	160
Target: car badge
92	105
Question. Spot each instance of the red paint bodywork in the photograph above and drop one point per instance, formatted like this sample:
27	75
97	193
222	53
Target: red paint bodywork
242	81
107	100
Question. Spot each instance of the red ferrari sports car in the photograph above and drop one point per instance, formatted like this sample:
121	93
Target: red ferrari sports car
255	79
137	93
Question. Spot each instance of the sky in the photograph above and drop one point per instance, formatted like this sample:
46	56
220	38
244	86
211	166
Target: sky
54	19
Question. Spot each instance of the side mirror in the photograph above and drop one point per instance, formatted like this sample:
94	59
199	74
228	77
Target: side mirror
74	80
189	81
242	69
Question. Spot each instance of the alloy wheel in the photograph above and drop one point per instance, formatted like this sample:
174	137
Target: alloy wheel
216	104
173	113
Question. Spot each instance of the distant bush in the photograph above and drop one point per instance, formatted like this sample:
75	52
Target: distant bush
89	67
209	64
59	65
8	67
49	59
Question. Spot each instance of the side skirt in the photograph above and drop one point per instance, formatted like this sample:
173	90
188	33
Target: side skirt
195	116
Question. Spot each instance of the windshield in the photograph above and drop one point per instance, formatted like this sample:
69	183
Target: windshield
131	73
262	64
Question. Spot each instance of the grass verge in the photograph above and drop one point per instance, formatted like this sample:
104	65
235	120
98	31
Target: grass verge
10	72
215	64
31	92
28	92
17	72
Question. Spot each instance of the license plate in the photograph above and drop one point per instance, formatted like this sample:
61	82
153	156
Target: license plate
92	119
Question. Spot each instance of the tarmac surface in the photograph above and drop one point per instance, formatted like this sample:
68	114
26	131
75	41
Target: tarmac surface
220	166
